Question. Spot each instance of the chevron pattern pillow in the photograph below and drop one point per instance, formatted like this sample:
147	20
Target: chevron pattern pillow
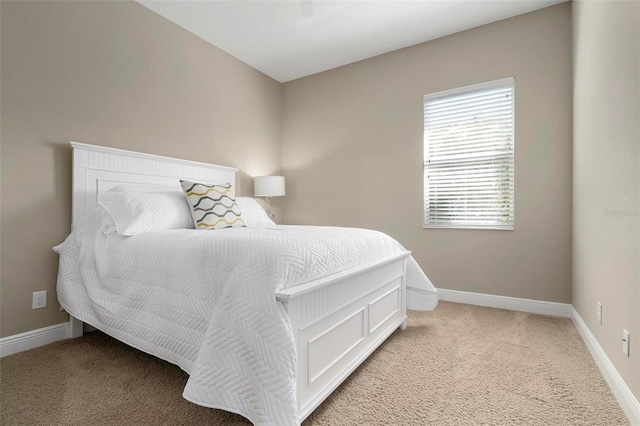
212	206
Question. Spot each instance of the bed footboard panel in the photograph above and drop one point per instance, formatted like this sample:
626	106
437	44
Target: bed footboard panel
338	324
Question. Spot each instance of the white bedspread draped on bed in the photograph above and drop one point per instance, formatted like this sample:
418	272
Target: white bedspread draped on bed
205	300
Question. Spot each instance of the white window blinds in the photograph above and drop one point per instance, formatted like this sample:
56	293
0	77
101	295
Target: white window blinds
468	157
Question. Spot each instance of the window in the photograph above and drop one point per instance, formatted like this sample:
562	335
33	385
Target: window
468	157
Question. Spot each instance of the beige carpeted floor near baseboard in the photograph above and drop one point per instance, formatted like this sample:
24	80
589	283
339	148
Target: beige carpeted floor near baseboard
457	365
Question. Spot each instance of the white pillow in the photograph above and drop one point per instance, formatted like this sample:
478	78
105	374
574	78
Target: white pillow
252	213
138	212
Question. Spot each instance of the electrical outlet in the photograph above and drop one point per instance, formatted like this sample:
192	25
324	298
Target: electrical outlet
39	300
625	342
599	312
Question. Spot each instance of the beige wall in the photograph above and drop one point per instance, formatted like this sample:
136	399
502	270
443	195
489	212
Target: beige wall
606	158
114	74
353	153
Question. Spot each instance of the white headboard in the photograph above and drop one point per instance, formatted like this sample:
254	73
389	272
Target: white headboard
97	169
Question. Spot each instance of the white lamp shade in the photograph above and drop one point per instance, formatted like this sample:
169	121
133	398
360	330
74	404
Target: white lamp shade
268	186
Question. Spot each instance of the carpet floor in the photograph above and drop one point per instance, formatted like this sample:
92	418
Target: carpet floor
456	365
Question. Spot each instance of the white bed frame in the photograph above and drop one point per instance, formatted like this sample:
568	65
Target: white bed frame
338	321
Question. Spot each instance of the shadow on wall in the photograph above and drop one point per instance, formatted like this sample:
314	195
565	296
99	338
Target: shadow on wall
62	171
355	187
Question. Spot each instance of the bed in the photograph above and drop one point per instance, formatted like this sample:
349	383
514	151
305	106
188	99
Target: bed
271	324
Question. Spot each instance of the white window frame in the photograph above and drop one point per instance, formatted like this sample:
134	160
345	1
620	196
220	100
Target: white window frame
463	215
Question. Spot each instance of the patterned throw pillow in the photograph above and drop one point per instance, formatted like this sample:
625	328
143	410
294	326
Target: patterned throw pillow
212	206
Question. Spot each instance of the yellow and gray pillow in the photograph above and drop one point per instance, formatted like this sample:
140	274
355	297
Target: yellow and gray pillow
212	206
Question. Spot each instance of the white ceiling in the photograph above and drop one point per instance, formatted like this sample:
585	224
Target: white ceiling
289	39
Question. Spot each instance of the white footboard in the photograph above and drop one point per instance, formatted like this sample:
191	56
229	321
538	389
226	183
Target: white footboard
340	320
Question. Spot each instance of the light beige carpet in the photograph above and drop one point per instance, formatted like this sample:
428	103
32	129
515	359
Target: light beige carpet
457	365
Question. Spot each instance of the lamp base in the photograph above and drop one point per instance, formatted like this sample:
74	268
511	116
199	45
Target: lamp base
270	214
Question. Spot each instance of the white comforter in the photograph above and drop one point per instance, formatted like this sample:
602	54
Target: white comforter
205	300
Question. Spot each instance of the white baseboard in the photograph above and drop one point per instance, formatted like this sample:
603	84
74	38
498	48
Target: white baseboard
34	338
621	391
504	302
